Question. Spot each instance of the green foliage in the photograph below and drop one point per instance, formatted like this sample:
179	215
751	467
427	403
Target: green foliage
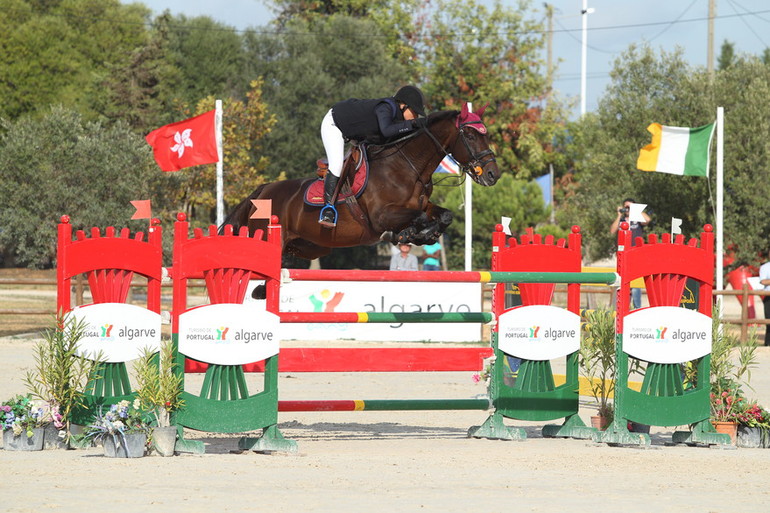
646	88
331	60
520	200
58	164
159	385
60	375
493	56
729	371
209	58
61	52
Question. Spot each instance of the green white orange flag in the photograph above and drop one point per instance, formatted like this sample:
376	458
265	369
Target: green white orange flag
677	150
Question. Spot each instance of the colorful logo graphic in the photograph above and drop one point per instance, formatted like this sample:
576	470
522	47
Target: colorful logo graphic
106	329
533	331
222	333
324	301
661	332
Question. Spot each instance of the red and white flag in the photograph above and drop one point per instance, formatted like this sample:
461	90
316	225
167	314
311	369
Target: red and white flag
187	143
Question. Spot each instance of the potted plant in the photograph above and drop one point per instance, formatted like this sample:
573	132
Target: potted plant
597	361
753	426
60	376
122	430
159	390
23	420
729	373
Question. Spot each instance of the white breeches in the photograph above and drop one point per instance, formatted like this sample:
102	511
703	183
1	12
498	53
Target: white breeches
334	144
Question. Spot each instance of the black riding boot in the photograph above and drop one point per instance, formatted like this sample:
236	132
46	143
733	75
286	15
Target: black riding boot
329	212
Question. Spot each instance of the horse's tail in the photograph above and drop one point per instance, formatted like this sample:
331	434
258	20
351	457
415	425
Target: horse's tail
239	216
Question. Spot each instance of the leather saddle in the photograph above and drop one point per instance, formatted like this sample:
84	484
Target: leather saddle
356	164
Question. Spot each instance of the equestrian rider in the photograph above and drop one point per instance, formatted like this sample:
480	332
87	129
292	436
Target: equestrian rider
371	121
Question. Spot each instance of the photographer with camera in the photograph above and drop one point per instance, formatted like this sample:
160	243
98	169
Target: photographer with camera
637	230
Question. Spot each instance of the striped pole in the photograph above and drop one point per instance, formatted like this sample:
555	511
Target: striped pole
385	405
385	317
448	276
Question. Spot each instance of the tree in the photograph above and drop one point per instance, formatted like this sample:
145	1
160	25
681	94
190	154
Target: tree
61	52
59	164
245	124
645	88
662	88
307	71
473	54
726	55
210	59
520	200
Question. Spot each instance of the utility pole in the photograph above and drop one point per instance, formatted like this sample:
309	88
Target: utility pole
584	57
710	50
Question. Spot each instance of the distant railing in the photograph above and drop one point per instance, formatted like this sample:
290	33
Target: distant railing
744	321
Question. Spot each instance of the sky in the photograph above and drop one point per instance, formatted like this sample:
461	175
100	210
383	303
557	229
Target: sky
612	27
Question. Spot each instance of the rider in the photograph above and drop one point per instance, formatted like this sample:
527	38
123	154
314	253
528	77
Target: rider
372	121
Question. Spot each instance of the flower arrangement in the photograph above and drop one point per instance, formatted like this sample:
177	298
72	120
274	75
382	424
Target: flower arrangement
121	419
22	415
754	415
725	406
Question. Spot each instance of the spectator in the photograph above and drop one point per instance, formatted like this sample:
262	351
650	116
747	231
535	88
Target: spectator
637	230
432	259
403	260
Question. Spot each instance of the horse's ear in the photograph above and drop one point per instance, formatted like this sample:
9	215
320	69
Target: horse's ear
480	112
464	111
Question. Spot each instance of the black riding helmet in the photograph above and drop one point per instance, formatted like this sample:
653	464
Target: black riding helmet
412	97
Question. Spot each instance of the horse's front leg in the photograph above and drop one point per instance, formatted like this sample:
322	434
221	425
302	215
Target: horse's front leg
425	227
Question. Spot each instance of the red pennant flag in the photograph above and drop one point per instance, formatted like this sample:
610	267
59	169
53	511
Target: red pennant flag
143	209
262	209
187	143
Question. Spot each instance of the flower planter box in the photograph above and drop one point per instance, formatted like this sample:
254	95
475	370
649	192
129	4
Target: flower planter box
22	442
751	438
125	446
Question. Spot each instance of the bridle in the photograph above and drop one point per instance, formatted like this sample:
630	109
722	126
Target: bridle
478	160
475	166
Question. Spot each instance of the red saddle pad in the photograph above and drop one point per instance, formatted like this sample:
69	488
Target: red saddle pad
314	194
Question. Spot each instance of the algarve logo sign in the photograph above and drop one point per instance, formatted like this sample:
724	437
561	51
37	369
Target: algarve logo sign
228	334
119	331
667	334
538	332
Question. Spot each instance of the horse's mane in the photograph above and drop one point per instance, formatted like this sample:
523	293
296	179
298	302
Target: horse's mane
442	114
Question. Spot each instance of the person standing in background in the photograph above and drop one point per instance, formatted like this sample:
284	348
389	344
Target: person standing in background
403	260
764	280
637	230
432	259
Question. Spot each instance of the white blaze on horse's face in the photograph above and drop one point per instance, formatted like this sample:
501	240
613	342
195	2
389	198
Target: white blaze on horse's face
480	159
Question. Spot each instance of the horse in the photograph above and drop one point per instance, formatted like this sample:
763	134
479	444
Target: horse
395	205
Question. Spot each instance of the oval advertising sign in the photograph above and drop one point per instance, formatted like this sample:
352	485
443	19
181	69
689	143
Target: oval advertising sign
228	334
119	331
538	332
667	334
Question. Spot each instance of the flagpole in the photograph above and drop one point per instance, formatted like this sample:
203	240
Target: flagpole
220	169
468	216
720	206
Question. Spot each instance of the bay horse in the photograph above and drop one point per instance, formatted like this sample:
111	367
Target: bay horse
395	203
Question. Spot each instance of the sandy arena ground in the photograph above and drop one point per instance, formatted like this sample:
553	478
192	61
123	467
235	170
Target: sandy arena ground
388	461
